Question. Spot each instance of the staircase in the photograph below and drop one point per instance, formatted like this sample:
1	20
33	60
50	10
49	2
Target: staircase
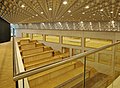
68	75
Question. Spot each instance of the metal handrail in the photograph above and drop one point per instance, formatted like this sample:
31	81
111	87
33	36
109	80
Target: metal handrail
75	57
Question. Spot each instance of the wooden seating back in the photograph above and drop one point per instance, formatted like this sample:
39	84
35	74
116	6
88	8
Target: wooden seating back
24	41
38	56
33	50
27	46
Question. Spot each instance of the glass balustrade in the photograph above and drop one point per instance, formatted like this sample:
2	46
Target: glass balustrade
96	68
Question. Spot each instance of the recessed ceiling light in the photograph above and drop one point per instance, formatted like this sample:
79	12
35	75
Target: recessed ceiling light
83	13
65	2
69	11
111	12
22	6
36	15
101	10
50	8
87	7
94	14
41	12
118	13
81	22
113	21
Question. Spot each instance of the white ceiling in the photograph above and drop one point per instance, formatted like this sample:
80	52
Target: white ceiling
34	11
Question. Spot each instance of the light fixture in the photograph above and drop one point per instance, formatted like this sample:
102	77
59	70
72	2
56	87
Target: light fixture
111	12
36	15
81	22
87	7
41	12
64	2
83	13
22	6
50	8
101	10
91	23
112	21
118	13
69	11
94	14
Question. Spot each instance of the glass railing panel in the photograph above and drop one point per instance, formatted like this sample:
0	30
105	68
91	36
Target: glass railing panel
96	70
76	51
67	75
103	68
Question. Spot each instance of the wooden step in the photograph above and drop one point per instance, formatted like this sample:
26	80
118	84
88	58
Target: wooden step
42	62
99	80
27	46
32	51
38	56
56	82
46	48
57	53
24	41
103	83
65	55
49	74
39	44
33	41
27	41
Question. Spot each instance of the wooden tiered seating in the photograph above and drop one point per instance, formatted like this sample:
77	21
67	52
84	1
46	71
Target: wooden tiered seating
28	47
24	41
27	41
43	61
36	54
68	74
32	51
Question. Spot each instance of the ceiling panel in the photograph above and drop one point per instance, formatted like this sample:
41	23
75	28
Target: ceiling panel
34	11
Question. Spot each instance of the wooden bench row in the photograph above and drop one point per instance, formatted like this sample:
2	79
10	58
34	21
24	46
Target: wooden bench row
36	54
26	41
34	50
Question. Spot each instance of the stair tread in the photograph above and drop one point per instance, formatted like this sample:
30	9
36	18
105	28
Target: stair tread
62	78
50	70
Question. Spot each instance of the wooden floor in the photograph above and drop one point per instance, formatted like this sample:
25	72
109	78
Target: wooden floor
6	66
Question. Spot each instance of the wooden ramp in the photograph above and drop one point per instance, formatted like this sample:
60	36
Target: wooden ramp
6	66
